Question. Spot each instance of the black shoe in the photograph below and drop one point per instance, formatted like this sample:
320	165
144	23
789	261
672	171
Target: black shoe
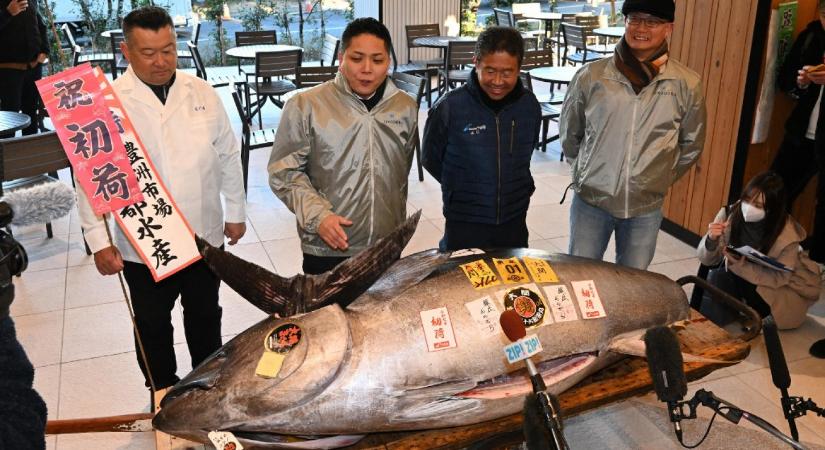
818	349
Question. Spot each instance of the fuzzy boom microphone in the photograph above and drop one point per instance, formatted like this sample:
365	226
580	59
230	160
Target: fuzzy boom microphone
42	203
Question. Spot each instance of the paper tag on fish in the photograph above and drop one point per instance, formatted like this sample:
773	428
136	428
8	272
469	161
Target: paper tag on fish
561	303
438	329
528	303
590	303
480	274
540	270
485	313
511	270
523	348
270	364
224	440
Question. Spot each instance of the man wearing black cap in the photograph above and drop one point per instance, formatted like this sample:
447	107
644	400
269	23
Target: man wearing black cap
630	126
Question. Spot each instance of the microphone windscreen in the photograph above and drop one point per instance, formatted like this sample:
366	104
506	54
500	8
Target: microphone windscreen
536	434
776	357
512	325
664	359
42	203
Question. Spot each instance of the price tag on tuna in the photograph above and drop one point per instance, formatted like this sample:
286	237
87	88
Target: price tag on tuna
522	349
224	440
540	270
480	274
511	270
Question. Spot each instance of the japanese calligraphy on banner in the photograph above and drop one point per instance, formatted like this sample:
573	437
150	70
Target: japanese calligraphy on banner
90	138
151	220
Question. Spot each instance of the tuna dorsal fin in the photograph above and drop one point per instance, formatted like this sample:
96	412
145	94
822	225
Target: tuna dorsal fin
632	343
407	272
274	294
354	276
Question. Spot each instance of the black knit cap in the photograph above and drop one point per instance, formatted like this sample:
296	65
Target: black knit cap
663	9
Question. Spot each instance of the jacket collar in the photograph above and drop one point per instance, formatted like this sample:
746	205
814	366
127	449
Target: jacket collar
611	72
342	85
137	90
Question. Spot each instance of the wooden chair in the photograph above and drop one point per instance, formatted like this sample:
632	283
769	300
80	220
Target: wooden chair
590	23
242	38
31	160
548	112
79	56
414	87
426	68
309	76
215	81
504	18
119	62
558	38
250	140
270	78
576	36
457	58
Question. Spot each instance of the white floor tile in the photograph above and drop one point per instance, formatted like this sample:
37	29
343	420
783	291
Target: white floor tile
95	331
77	251
39	291
41	335
286	255
85	286
47	384
46	254
105	386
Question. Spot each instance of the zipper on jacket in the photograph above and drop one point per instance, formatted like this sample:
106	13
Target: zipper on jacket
512	135
372	185
498	170
627	158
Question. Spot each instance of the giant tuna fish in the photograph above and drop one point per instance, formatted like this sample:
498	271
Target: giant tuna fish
375	346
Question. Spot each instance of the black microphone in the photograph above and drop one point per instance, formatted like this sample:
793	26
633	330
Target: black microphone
779	370
664	359
545	432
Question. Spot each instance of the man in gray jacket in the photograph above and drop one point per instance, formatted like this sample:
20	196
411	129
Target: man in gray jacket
630	126
343	151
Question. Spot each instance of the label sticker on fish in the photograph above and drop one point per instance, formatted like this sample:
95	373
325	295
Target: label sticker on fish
485	313
480	274
540	270
438	329
561	303
529	304
224	440
511	270
522	348
590	303
276	345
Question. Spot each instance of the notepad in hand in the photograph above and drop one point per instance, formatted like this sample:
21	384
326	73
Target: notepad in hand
757	257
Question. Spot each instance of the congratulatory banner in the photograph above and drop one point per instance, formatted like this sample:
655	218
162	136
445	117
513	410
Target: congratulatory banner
114	171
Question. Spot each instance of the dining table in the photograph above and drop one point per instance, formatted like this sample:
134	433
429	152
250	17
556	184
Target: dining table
555	75
12	122
439	41
609	32
546	17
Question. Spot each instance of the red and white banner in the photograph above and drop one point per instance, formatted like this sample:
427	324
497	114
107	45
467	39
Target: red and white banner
122	178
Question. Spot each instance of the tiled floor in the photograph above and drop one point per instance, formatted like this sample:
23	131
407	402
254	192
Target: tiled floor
76	330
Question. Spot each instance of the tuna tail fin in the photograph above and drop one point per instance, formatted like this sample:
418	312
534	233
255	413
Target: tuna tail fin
633	344
274	294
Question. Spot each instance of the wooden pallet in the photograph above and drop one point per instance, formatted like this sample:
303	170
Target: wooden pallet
627	378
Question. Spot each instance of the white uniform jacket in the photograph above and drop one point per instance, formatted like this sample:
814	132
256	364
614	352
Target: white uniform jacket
191	144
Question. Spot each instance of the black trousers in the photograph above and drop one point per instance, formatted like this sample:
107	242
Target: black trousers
797	161
459	235
316	265
18	93
152	302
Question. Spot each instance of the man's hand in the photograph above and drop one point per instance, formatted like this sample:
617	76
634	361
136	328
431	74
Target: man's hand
234	231
332	233
108	261
716	229
805	78
41	58
17	6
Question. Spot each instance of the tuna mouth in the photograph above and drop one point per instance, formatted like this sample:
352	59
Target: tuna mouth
517	383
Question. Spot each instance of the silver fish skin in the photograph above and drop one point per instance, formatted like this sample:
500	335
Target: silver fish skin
367	368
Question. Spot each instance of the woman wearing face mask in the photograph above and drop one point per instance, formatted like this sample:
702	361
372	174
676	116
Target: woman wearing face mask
760	219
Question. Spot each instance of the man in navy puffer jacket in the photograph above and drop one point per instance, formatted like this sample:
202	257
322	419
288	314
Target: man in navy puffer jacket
478	142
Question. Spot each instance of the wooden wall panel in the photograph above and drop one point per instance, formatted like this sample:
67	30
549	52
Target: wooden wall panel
398	13
713	38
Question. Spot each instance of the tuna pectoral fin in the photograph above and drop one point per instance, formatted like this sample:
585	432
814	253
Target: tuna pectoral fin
434	401
633	344
274	294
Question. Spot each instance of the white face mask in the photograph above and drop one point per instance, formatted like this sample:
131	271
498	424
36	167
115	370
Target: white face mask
751	213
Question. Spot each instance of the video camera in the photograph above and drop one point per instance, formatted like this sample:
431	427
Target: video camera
13	259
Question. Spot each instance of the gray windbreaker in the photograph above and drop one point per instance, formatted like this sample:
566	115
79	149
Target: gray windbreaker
626	150
332	156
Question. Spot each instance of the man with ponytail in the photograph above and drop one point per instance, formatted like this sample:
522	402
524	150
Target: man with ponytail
631	125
